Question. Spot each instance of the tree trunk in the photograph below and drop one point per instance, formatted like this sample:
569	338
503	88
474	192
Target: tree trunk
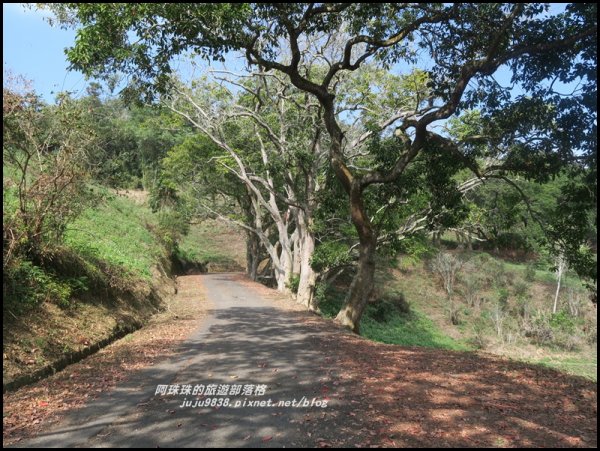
560	269
283	271
297	255
360	289
308	277
362	284
252	255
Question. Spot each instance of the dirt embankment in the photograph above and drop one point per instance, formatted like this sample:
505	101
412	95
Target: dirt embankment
49	338
36	407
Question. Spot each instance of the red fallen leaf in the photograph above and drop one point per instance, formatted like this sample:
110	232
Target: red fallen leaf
267	438
43	404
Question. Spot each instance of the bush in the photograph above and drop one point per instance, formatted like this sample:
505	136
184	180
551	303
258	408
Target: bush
522	297
539	330
26	286
388	307
172	226
563	322
568	341
381	311
521	289
503	296
493	271
530	272
590	330
479	339
559	329
294	283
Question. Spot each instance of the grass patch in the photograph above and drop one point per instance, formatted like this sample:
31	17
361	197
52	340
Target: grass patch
384	322
578	366
95	284
217	245
116	233
413	329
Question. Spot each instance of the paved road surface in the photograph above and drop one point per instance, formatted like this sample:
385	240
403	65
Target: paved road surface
244	340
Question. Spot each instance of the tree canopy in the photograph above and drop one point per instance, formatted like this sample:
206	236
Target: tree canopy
527	127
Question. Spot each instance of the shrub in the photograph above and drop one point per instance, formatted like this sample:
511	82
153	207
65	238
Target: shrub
563	322
503	296
172	226
26	286
382	311
520	289
294	283
389	306
45	149
472	284
568	341
479	339
539	329
530	272
590	330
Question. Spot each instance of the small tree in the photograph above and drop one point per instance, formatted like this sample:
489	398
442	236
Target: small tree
561	267
45	150
447	266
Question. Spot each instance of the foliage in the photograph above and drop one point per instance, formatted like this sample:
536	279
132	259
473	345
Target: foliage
389	321
530	272
525	130
26	286
45	151
293	283
131	140
173	225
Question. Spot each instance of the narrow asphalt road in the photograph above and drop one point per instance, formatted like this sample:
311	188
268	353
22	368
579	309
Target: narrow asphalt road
245	341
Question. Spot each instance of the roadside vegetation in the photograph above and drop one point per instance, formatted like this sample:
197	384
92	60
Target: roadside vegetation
434	207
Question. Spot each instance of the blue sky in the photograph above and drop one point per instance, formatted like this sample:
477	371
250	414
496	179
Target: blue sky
34	49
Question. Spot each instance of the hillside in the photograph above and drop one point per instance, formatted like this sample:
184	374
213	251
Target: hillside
110	276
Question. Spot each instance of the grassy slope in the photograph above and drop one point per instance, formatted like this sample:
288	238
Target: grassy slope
220	246
117	232
112	252
428	323
391	326
423	292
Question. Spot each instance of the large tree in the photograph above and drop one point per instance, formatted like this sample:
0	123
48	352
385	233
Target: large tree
266	145
535	129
